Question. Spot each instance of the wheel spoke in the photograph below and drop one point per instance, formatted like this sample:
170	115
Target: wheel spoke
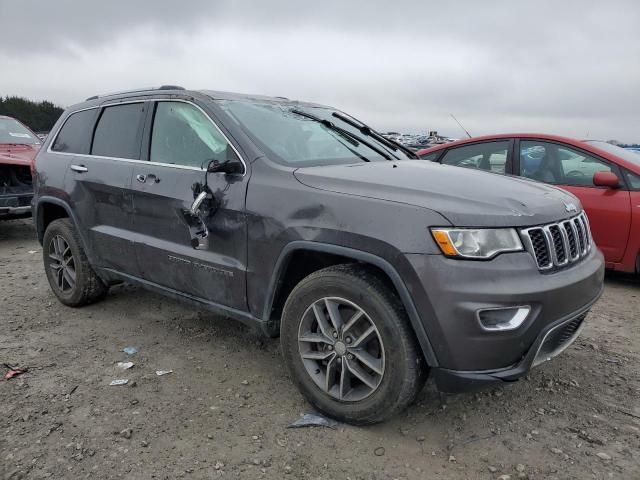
345	380
323	323
352	321
72	272
67	277
329	379
315	338
362	339
334	314
55	266
317	355
60	278
55	257
368	360
363	376
60	246
54	244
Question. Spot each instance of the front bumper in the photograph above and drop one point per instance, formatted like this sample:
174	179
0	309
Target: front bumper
552	341
450	292
15	206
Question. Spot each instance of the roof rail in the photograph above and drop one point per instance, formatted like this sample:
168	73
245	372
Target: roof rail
162	87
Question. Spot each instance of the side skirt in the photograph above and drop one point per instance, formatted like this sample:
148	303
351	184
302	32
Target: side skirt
244	317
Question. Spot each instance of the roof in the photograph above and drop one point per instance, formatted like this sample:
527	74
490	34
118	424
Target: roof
98	100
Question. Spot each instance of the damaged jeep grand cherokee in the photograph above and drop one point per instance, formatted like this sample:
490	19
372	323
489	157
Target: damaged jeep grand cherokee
296	218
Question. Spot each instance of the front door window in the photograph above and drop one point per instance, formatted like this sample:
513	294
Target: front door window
553	163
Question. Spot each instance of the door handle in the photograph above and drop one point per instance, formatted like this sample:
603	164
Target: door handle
79	168
143	178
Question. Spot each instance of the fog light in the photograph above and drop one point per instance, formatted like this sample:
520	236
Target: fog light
501	319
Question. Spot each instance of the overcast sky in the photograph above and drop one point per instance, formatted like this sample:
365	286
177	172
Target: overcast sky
566	67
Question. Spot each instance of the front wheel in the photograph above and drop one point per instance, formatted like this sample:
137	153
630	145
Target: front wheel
349	347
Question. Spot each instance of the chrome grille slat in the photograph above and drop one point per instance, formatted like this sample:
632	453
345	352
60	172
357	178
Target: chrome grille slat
558	244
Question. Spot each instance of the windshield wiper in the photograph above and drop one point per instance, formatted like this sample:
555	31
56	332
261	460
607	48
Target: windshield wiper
366	130
342	131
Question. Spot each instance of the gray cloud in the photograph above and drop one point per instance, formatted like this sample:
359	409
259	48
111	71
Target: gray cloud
561	67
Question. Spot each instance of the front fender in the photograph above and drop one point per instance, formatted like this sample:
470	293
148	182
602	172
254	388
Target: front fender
361	256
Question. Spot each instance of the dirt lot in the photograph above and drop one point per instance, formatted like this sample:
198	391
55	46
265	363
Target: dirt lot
224	410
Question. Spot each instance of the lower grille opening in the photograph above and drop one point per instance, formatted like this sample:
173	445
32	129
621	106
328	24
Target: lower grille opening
558	338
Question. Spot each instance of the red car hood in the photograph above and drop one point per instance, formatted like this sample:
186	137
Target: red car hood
11	154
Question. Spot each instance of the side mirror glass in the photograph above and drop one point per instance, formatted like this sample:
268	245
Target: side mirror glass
606	179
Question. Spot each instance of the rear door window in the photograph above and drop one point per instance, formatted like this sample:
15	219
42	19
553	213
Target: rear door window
488	156
75	134
118	133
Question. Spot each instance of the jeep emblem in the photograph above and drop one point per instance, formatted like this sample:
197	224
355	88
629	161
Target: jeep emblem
570	207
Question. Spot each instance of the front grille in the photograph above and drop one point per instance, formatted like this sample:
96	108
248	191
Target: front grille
559	244
558	339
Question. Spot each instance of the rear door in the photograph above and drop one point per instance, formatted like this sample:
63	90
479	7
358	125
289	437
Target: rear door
202	255
99	178
608	209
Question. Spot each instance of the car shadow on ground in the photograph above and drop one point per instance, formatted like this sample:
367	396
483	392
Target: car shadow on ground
622	279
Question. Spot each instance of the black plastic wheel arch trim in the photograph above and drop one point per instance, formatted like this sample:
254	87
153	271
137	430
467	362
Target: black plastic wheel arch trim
359	255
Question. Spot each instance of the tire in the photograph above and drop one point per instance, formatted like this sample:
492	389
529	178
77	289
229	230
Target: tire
394	367
87	287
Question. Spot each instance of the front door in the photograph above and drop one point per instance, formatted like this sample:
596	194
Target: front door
201	254
608	209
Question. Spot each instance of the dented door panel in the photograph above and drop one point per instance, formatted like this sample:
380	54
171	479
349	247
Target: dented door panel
170	250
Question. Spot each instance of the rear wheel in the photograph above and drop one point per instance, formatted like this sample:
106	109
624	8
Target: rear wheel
70	276
348	345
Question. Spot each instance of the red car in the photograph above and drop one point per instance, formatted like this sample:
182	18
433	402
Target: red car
18	148
605	177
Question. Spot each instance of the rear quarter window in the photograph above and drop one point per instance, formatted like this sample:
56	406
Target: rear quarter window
75	134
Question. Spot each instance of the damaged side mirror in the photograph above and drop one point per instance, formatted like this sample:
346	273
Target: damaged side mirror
227	167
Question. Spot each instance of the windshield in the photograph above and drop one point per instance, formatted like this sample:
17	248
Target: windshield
12	131
629	155
300	141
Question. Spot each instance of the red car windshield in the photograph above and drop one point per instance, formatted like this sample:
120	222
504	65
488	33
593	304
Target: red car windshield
13	132
629	155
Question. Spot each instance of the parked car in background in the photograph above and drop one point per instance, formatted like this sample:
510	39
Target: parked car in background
605	177
374	268
18	148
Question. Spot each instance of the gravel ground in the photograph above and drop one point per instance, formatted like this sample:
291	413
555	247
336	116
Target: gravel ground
224	410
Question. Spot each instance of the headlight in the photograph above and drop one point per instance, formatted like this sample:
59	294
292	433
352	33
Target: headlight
476	243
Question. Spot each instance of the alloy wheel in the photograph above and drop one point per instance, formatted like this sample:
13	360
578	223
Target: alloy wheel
62	263
341	349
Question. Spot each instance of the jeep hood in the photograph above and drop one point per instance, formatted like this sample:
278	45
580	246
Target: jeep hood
466	197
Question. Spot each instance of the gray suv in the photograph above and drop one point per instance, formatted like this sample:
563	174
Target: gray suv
373	267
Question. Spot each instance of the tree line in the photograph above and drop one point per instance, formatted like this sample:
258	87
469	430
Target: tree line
38	116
